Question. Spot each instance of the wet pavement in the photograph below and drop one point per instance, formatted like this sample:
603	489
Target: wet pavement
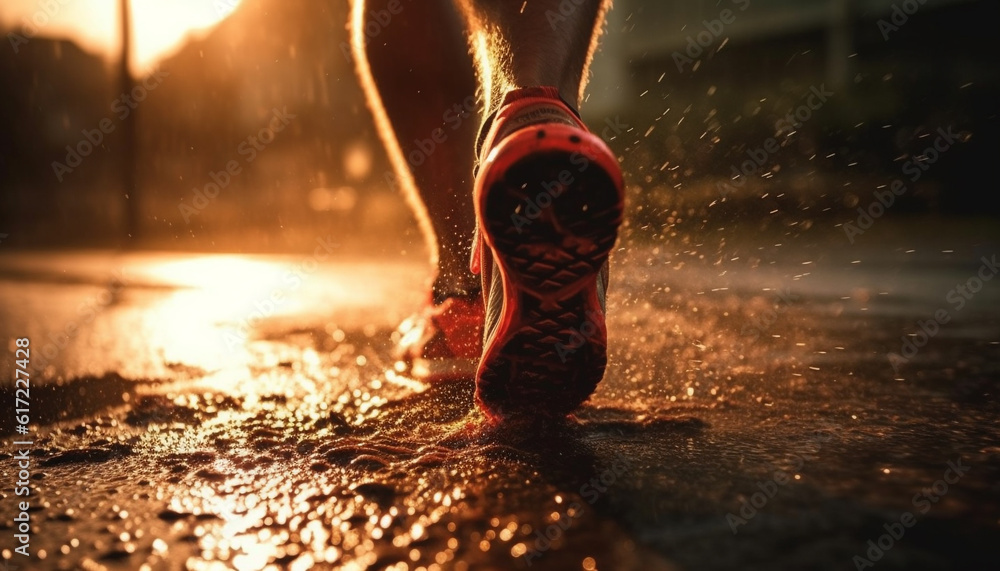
239	411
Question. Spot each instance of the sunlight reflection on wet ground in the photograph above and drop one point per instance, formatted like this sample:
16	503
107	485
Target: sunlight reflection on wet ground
283	439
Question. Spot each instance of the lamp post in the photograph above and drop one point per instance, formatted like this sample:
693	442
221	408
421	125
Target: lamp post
128	152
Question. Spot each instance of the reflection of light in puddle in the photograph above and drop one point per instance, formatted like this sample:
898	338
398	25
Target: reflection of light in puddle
211	272
208	322
281	514
187	325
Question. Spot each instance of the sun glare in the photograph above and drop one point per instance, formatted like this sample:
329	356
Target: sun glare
159	27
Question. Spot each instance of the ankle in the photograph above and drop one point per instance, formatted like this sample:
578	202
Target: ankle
547	105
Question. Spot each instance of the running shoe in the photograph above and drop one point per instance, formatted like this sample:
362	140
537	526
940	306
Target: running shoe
549	201
443	342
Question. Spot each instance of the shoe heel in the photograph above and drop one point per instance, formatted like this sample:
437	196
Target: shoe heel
551	219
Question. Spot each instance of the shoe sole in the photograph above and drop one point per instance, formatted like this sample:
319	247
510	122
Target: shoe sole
549	350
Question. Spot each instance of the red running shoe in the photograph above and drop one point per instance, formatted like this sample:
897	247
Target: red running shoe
443	342
549	201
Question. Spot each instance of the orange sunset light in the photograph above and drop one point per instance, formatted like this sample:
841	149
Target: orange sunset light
159	28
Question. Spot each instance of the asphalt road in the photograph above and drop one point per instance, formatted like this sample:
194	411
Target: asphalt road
236	411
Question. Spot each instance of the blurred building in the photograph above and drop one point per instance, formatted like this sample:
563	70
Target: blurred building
698	83
645	31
